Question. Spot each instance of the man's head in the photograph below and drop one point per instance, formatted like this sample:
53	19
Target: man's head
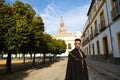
77	43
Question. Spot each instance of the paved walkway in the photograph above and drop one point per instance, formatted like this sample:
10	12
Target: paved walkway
105	68
54	71
57	70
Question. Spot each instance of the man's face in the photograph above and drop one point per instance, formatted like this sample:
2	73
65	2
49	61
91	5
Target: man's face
77	44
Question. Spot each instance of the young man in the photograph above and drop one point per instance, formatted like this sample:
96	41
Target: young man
76	66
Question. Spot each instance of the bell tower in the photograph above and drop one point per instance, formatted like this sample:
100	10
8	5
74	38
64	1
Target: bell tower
62	30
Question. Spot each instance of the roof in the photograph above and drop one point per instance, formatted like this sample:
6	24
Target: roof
90	7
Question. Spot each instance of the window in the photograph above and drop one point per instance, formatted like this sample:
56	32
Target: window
102	24
95	24
69	46
116	2
94	8
93	49
102	16
96	29
91	30
115	9
118	39
98	48
105	45
91	35
112	3
90	18
87	51
98	1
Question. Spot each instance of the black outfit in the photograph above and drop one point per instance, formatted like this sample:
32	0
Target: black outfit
76	66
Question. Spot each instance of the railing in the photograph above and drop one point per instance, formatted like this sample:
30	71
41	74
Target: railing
96	32
102	26
91	36
85	41
115	11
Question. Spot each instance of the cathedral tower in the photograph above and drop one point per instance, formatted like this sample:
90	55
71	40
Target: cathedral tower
62	30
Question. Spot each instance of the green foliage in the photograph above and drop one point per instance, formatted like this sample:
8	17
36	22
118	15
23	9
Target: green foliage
46	39
36	33
7	26
60	47
23	14
1	2
21	30
56	46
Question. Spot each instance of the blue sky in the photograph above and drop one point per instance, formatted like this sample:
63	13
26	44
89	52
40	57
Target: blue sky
73	13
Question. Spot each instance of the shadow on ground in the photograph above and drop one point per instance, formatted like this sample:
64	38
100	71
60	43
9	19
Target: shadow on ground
20	71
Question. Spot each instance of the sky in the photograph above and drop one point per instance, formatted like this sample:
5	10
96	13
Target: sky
74	13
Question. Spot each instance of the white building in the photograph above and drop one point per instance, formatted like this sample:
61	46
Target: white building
67	37
101	34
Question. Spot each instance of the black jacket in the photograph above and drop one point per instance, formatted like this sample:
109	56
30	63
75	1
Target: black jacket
76	66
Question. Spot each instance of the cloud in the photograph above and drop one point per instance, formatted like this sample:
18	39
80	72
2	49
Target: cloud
50	18
74	19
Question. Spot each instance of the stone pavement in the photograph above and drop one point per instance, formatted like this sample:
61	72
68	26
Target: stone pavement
56	71
105	68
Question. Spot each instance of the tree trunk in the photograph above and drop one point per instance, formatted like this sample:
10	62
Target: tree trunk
8	64
24	58
55	57
50	57
34	60
2	55
30	55
19	55
44	56
15	55
40	56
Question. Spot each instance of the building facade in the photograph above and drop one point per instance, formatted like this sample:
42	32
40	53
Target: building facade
67	37
101	34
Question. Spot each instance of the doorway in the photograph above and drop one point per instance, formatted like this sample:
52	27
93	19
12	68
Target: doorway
105	48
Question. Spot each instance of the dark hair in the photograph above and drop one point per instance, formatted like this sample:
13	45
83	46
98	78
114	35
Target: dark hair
78	39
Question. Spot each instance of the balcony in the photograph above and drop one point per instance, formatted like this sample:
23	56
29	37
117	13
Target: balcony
85	41
115	12
91	36
96	32
102	26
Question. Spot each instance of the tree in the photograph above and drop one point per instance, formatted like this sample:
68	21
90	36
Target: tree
3	28
56	47
23	15
60	47
7	27
22	31
44	48
15	23
35	35
2	2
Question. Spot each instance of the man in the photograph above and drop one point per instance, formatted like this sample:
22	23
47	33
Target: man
76	66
